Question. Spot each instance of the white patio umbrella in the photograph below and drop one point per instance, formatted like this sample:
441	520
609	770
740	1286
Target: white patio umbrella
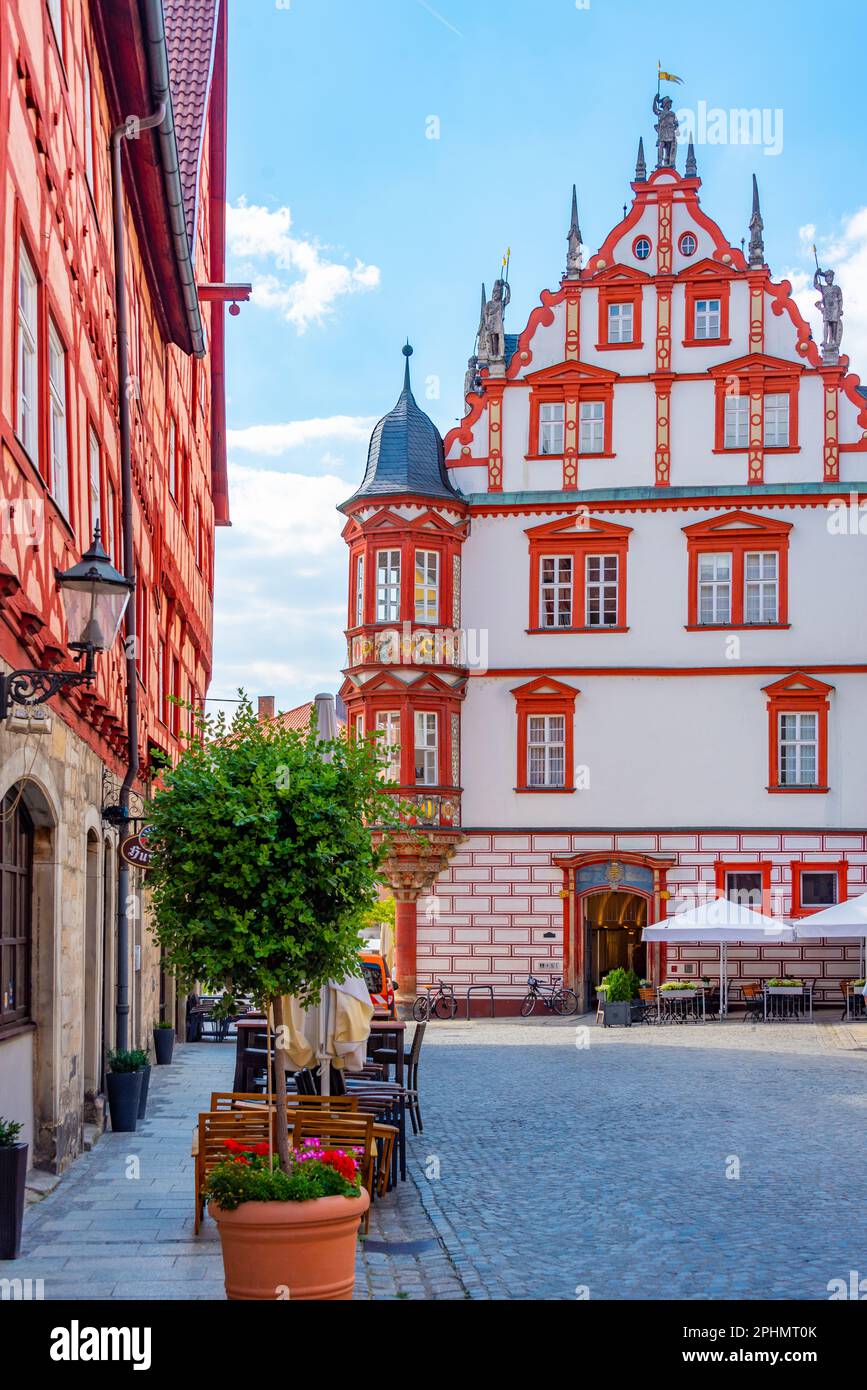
843	922
722	921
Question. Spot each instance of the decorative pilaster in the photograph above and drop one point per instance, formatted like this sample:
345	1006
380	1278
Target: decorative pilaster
494	392
573	321
757	282
570	443
662	460
663	328
831	415
663	244
756	451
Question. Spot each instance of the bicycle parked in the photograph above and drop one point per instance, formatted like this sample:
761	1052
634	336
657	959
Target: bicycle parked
552	994
439	1002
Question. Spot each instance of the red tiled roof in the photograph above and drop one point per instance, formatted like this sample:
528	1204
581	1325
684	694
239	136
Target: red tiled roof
191	29
299	718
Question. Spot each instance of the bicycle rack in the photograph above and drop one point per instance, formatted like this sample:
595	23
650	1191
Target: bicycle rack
489	988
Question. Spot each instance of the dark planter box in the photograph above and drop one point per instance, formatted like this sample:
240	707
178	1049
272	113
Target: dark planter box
124	1094
617	1013
13	1171
164	1045
143	1098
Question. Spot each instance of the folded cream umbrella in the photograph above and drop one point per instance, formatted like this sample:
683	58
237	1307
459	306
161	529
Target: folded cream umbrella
721	921
333	1031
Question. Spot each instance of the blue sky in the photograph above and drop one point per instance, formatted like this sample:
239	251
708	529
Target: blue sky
358	230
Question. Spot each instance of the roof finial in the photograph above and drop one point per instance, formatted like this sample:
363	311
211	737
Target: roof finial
690	172
407	352
573	240
640	163
757	244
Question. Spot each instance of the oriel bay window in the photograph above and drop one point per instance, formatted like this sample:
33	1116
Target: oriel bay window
387	586
546	715
388	729
798	734
738	571
578	575
427	586
426	748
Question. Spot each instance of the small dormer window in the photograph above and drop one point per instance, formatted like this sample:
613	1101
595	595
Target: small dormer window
642	248
688	244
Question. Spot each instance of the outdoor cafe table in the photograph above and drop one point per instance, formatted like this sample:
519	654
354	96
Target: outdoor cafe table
668	1000
788	1002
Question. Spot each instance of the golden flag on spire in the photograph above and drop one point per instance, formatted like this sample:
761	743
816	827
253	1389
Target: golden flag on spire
667	76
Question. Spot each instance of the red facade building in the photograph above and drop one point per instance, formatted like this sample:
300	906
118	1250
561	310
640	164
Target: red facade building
84	85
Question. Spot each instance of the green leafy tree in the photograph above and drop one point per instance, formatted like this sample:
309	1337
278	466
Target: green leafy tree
264	862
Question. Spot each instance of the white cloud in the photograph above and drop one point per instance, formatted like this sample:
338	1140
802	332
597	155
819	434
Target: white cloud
278	439
287	514
308	291
844	252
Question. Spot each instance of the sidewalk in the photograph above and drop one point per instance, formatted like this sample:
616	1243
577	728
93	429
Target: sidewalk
120	1222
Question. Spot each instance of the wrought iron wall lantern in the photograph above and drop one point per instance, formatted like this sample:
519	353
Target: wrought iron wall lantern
94	596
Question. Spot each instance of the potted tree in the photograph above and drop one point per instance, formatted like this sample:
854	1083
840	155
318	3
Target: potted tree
264	866
123	1085
13	1172
620	988
164	1042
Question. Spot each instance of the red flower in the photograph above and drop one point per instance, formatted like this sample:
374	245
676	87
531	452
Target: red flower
341	1162
260	1149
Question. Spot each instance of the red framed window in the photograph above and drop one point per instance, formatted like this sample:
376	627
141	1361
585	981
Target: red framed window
706	306
798	734
578	575
58	425
571	410
620	301
816	885
27	354
545	744
745	883
776	384
738	572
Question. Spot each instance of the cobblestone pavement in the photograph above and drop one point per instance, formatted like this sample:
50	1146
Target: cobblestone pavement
577	1161
105	1233
559	1160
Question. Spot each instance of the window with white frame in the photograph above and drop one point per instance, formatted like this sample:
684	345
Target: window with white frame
28	368
546	750
818	887
555	591
761	586
387	586
707	318
388	727
714	588
777	420
601	591
620	323
426	748
173	458
359	591
591	433
551	428
57	408
427	586
95	479
88	125
798	749
737	422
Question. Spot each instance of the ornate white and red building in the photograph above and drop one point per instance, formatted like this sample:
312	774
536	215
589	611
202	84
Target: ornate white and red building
613	625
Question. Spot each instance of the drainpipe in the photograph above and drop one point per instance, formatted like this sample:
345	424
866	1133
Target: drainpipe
130	129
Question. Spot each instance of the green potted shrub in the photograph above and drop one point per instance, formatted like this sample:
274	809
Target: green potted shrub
145	1081
123	1085
164	1042
264	866
621	987
13	1172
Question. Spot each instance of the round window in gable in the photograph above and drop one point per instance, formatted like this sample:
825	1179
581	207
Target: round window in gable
687	244
641	248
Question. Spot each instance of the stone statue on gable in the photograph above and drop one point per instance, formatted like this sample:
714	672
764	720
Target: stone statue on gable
666	128
831	304
492	333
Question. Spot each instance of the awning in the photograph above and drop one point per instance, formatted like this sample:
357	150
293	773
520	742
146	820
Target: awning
720	920
842	921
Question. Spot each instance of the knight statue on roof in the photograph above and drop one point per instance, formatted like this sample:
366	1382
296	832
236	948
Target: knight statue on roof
666	128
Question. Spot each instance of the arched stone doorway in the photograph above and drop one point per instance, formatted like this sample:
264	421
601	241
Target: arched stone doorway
602	888
614	922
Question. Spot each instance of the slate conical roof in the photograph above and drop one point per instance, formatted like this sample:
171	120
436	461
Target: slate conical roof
405	452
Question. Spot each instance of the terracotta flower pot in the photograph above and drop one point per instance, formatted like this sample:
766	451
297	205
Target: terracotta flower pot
294	1250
